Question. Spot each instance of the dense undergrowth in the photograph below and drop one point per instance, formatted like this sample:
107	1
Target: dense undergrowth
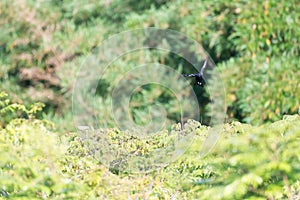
247	163
255	46
44	43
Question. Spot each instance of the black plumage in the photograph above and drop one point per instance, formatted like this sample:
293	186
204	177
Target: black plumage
199	76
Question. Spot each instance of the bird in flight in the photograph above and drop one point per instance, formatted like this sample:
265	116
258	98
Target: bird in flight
199	76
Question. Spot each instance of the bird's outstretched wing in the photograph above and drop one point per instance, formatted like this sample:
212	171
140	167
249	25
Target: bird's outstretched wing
203	67
200	74
190	75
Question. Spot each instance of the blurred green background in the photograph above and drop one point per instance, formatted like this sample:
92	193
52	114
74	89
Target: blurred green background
256	48
254	45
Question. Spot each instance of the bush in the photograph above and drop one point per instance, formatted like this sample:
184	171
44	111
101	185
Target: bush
57	35
247	162
260	91
30	155
272	30
258	48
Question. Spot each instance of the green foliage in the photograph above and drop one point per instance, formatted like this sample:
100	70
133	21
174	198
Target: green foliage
29	162
29	156
255	45
264	91
261	162
9	111
270	31
262	47
203	21
118	10
247	163
58	35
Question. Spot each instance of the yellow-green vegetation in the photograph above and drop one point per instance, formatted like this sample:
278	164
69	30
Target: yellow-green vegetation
247	163
256	48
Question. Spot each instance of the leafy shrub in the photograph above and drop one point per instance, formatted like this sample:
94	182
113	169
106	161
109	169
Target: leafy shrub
247	162
203	21
29	156
36	37
262	91
57	35
270	31
9	111
230	30
267	167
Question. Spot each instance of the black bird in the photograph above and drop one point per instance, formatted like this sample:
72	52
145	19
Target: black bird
199	76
